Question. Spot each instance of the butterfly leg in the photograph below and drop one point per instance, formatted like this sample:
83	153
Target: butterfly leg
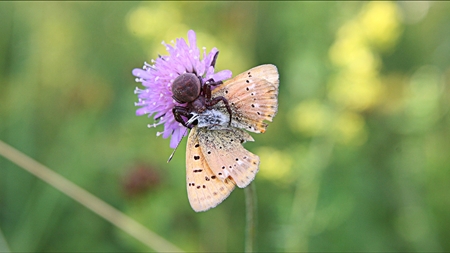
179	111
214	101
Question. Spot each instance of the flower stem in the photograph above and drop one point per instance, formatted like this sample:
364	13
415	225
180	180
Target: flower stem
96	205
251	212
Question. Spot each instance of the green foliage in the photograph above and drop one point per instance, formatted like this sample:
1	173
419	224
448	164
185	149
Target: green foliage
357	158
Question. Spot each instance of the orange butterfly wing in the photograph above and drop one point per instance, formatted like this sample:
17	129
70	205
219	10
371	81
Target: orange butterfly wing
226	156
205	190
252	96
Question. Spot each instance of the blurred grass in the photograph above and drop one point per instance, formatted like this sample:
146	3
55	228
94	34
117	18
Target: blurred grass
96	205
356	159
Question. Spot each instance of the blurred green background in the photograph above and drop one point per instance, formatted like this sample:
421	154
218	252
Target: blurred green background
357	159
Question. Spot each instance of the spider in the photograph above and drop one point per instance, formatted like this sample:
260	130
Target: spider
189	88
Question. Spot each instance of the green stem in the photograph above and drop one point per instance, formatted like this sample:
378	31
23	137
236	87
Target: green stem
250	204
3	244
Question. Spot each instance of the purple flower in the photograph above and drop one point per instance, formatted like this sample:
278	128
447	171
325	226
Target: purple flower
156	98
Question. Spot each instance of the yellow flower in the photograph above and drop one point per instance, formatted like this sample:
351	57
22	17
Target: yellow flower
349	129
275	165
381	23
310	118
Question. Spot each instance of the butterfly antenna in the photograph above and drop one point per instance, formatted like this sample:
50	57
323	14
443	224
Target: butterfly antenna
192	119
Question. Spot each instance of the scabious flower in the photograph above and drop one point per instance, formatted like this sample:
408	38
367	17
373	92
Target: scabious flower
156	98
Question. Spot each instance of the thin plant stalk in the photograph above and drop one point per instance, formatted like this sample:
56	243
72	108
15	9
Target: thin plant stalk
4	248
98	206
251	212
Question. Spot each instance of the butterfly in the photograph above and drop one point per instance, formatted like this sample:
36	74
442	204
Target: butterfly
216	161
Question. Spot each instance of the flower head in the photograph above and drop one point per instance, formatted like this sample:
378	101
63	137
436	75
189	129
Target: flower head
157	78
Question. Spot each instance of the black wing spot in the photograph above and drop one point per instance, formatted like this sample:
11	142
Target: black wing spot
209	152
253	105
213	177
196	157
247	87
223	167
206	178
237	159
204	186
198	187
197	145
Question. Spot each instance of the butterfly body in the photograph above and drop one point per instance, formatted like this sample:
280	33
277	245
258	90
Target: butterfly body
216	160
213	120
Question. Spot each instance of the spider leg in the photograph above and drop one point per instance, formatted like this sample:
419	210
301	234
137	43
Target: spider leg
207	90
213	63
179	111
207	87
211	82
214	101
